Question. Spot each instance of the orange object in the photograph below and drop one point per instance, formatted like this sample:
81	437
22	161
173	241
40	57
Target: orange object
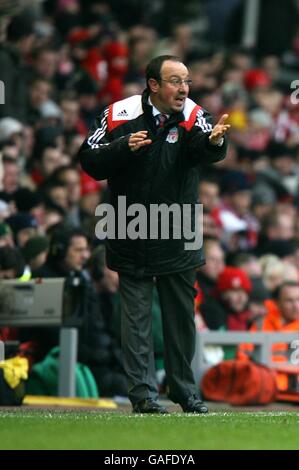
240	383
287	377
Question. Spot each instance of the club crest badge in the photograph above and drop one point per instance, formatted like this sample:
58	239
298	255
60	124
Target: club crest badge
173	135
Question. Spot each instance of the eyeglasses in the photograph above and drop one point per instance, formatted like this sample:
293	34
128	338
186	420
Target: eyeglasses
177	82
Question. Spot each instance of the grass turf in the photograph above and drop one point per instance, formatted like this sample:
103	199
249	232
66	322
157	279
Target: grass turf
106	430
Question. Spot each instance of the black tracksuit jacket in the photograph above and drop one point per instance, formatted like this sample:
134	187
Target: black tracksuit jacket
166	171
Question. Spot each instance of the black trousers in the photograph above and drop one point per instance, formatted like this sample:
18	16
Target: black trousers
176	294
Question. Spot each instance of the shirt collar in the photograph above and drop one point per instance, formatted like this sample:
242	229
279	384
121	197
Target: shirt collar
155	110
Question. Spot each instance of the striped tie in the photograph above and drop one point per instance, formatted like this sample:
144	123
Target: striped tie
161	119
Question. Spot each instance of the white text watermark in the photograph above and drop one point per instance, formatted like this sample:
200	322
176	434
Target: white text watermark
2	351
2	92
294	358
154	222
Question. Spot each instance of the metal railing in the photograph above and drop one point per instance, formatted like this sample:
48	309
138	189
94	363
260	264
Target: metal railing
40	303
262	341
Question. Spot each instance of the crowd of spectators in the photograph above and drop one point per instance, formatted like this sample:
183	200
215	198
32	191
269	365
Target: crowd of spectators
61	63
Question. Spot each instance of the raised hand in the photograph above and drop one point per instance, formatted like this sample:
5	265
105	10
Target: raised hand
138	140
219	130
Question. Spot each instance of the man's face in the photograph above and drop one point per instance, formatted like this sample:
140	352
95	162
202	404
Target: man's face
46	65
11	177
284	165
24	235
286	227
59	195
288	303
51	160
70	109
77	253
72	180
166	96
214	261
39	93
209	195
6	240
241	201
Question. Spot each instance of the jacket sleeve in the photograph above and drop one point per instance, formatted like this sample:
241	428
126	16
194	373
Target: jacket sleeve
199	148
100	156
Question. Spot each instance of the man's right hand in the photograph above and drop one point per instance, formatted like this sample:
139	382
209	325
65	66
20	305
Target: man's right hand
138	140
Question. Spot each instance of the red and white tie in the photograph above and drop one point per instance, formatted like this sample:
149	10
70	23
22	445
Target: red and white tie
161	119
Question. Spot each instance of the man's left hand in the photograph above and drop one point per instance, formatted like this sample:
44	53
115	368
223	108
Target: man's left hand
219	130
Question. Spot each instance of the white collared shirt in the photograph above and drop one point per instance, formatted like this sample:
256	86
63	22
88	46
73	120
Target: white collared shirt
155	110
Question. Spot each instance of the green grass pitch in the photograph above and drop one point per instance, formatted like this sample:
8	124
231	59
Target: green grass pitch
107	430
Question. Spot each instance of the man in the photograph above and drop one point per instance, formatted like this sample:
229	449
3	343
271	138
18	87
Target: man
69	175
24	226
282	315
233	288
150	148
11	263
20	37
68	255
209	308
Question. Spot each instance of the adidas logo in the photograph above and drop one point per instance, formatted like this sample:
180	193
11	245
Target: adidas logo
122	113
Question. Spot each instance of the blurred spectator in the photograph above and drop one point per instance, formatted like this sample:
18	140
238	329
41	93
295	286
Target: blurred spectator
55	194
207	309
35	252
68	255
70	176
209	192
4	210
90	194
20	36
39	94
287	299
249	263
6	235
23	226
277	227
11	263
116	55
238	223
29	201
11	178
257	300
71	117
263	200
275	272
45	63
208	274
282	315
10	130
50	159
87	94
233	289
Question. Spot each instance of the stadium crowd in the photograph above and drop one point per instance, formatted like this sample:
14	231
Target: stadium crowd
61	63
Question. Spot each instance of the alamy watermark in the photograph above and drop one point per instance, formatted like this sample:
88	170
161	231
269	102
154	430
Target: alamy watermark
295	95
2	92
154	222
294	358
2	351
